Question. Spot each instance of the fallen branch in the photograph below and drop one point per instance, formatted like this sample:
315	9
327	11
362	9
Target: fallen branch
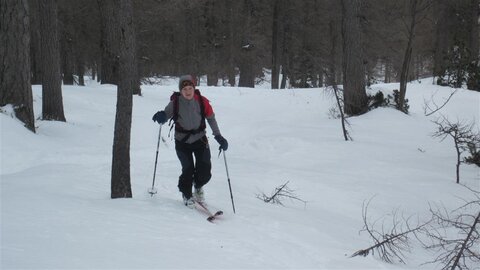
280	193
389	245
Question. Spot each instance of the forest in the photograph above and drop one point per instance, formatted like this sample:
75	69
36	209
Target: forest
114	63
294	44
302	40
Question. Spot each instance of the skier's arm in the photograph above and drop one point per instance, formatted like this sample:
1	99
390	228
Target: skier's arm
212	122
169	110
161	117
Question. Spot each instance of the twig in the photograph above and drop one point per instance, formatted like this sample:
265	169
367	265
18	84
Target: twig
437	108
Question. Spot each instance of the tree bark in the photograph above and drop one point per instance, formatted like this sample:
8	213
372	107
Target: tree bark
407	56
275	42
441	38
68	63
213	44
120	182
15	86
388	70
109	46
355	95
52	101
286	41
474	40
330	75
473	78
230	44
247	74
35	44
80	67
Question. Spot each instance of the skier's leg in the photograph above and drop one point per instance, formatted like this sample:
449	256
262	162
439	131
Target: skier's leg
203	164
185	181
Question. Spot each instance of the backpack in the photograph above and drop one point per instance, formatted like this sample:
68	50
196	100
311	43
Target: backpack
178	128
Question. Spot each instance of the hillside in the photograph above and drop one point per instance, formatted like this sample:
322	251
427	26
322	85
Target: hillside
56	211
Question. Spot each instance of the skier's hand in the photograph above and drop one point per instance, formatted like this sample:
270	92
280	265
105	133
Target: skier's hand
160	117
222	141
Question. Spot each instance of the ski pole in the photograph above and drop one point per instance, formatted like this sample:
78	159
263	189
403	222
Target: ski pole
228	177
152	190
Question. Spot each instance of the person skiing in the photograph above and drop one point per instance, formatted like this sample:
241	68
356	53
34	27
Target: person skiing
188	110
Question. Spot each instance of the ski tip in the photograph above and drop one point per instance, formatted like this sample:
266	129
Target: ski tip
211	218
219	213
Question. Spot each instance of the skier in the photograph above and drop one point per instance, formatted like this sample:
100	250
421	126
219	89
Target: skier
188	109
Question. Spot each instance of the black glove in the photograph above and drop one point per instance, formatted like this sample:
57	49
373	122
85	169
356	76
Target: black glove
222	141
160	117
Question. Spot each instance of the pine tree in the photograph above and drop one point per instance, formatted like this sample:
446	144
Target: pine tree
15	86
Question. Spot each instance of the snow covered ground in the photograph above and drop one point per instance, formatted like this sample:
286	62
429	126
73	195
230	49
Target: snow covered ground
56	211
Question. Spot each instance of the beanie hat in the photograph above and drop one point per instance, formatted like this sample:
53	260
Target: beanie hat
186	80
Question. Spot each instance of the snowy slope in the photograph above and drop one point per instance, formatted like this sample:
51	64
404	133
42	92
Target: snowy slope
55	185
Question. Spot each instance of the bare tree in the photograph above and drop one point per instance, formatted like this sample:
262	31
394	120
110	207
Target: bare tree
52	101
15	86
462	135
120	184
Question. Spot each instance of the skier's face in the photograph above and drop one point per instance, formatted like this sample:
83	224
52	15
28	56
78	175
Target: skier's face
187	92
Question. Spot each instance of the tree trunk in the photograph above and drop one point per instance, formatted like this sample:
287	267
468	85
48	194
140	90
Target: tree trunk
408	56
94	71
80	70
212	43
286	41
388	70
52	101
473	40
283	83
35	44
247	74
331	73
441	38
275	42
68	63
109	46
473	78
231	44
15	86
212	79
120	183
355	95
331	69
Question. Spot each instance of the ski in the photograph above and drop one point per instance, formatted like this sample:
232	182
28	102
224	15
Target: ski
203	208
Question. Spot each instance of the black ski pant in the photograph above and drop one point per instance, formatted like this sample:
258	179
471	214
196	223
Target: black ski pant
194	172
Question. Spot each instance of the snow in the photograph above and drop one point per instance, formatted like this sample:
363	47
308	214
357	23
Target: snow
56	211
